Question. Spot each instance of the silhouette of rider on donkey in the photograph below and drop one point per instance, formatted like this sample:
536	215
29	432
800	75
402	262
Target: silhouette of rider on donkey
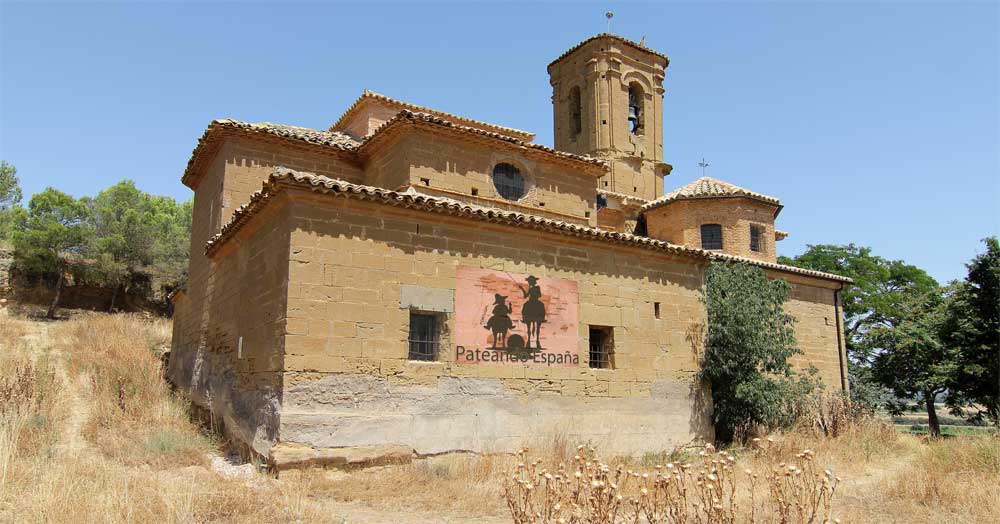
532	314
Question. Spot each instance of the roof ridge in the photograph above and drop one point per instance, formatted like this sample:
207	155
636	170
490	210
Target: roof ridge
333	139
621	39
369	94
454	207
709	187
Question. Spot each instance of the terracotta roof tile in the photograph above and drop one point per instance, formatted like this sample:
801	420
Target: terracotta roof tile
336	140
621	39
283	177
372	95
707	187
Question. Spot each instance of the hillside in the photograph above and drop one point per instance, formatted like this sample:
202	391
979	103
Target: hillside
82	401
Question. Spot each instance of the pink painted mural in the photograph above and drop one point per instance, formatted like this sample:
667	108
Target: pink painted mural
511	318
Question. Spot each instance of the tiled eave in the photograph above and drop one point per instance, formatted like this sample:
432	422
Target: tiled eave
283	179
349	149
218	130
368	97
661	203
711	188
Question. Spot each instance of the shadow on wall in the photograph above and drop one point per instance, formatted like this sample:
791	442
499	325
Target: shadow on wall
440	233
242	394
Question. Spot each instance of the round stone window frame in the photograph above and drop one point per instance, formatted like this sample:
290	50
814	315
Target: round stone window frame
527	179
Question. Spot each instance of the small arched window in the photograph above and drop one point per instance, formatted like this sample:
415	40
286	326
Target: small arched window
635	108
509	181
711	236
575	111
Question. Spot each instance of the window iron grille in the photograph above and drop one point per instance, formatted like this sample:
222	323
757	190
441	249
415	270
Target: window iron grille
508	181
711	236
424	340
756	238
601	347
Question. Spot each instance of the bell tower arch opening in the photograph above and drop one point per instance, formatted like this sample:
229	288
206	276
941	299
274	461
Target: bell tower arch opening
635	116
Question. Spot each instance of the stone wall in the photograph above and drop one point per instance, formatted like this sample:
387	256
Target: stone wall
603	69
210	317
348	380
812	302
227	351
295	332
442	165
680	223
367	118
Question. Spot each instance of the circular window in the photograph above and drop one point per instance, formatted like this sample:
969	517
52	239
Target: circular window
509	181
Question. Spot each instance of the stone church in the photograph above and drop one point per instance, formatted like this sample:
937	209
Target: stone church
412	279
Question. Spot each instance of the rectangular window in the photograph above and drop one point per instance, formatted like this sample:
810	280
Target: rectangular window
656	309
601	347
711	236
424	340
756	238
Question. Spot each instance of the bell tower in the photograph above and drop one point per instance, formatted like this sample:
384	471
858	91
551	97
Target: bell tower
607	101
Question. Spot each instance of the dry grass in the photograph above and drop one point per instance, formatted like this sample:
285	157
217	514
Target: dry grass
711	490
135	457
956	478
88	431
132	415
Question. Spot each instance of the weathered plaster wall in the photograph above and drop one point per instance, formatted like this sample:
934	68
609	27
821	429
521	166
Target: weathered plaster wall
348	379
332	410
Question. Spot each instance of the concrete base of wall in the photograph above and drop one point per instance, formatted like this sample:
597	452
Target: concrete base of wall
481	415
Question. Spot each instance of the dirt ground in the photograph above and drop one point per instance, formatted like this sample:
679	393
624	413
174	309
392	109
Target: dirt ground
895	480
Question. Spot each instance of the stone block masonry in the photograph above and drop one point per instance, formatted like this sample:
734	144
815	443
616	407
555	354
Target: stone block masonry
436	284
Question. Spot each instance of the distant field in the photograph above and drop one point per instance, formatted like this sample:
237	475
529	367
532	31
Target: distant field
915	422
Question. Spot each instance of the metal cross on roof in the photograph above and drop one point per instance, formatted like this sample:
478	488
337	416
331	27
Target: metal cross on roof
704	166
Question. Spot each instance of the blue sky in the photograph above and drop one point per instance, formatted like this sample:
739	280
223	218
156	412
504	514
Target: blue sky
875	123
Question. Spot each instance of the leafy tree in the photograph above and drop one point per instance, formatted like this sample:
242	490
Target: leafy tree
876	299
10	186
916	362
124	225
750	339
10	198
972	327
172	244
51	235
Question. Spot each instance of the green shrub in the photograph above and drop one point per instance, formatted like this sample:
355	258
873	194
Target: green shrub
749	341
